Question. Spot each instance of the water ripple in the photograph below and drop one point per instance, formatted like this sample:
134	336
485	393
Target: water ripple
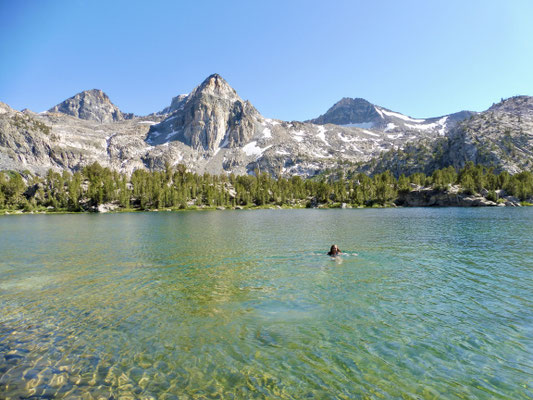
427	303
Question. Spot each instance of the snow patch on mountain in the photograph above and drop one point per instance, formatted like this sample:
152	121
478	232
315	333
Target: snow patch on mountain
267	133
423	127
442	122
251	149
390	127
370	133
397	136
299	136
440	125
322	134
404	117
169	135
272	121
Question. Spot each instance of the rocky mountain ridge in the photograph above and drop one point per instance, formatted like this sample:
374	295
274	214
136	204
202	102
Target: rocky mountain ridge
360	113
213	130
501	137
93	105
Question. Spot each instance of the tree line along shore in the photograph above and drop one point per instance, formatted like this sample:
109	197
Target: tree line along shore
95	188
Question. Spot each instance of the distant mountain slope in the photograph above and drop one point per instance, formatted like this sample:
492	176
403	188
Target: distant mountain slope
501	137
363	114
93	105
38	142
24	140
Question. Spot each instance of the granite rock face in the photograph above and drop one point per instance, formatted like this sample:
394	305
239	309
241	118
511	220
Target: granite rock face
24	140
93	105
213	114
501	137
175	105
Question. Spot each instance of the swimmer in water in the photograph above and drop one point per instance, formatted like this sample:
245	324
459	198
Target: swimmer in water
334	251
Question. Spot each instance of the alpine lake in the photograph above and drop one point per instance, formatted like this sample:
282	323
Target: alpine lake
425	303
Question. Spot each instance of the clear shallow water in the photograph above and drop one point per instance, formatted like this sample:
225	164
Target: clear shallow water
437	303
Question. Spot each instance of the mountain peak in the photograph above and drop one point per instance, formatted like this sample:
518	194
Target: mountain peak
212	86
94	92
349	111
215	85
211	116
92	105
352	102
214	76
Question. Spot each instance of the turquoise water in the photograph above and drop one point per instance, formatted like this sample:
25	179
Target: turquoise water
427	304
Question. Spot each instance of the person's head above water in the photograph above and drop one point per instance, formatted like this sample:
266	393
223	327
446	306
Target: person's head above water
334	250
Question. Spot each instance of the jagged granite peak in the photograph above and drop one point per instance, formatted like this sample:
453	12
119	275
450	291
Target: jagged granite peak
175	104
93	105
211	116
215	85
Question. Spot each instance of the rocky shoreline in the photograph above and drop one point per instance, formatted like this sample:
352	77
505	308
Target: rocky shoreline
452	197
423	198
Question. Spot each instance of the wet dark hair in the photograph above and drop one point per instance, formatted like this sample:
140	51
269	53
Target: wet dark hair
334	250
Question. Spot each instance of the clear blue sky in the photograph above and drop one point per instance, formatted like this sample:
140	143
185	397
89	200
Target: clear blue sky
291	59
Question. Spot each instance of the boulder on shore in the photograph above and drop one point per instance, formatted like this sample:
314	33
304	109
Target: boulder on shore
107	207
427	197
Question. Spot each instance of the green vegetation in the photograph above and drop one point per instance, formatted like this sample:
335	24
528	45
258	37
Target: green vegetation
27	123
175	188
